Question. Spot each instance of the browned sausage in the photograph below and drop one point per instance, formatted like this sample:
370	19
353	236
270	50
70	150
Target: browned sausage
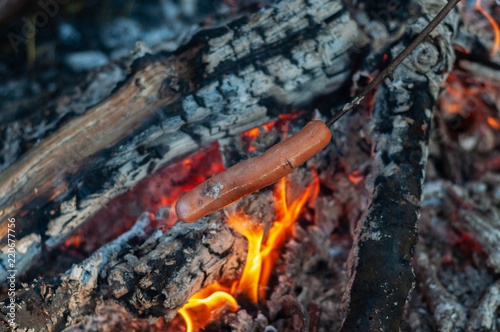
253	174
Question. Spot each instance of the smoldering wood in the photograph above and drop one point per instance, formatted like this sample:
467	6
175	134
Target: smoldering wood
150	275
443	304
475	37
458	291
380	261
487	308
223	82
383	23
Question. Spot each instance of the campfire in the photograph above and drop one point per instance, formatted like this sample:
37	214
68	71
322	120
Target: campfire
392	226
261	258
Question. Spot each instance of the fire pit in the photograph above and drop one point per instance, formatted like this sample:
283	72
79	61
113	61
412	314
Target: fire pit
89	180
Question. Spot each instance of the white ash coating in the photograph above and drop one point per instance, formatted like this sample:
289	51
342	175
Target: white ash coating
213	191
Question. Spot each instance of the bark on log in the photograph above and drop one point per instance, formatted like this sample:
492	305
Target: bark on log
381	275
149	276
229	78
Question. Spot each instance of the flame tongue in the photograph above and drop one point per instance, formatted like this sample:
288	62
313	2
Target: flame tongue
202	306
496	29
261	258
248	284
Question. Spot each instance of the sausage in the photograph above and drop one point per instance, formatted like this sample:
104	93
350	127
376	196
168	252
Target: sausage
253	174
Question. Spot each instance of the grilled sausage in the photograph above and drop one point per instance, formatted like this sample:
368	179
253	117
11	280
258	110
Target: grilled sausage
253	174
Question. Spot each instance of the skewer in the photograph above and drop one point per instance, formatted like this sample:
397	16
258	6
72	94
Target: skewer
388	71
281	159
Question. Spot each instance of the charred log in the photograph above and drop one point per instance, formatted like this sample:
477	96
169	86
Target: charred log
380	262
149	276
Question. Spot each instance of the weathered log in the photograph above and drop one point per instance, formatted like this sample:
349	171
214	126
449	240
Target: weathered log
223	82
381	275
148	276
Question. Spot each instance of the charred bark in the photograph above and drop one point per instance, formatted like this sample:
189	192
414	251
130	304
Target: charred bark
149	276
381	275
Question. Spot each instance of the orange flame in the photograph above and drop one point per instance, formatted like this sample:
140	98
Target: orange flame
251	135
283	229
200	308
261	257
494	123
248	284
496	29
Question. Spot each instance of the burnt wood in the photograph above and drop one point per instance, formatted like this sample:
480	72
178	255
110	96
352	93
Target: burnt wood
381	276
223	82
148	274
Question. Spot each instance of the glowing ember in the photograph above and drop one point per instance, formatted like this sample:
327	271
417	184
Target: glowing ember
268	126
261	258
356	177
461	97
496	29
251	135
290	116
282	229
281	126
494	123
160	189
